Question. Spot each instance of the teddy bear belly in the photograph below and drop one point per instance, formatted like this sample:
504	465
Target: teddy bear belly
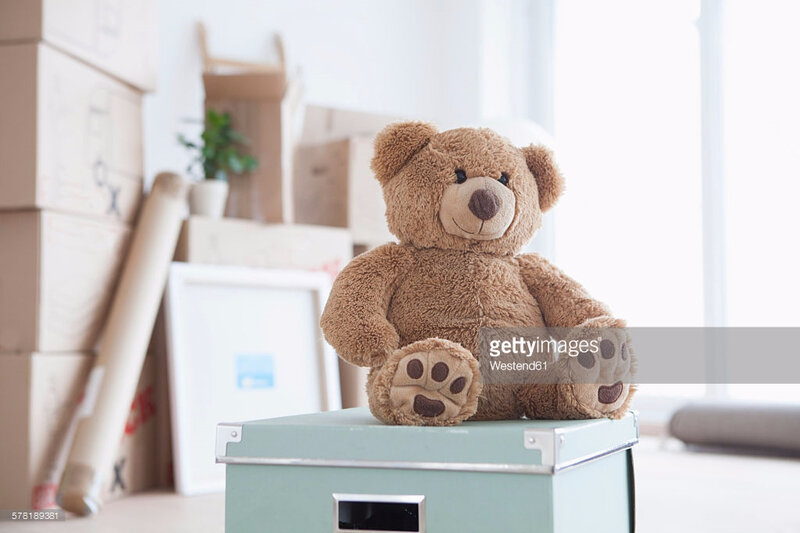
458	313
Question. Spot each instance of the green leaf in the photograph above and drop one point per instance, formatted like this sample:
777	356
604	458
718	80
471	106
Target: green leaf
249	162
218	151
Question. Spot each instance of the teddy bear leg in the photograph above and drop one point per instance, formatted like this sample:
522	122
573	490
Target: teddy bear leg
498	402
432	382
587	386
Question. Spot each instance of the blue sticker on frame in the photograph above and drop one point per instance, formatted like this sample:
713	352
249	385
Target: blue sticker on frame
255	371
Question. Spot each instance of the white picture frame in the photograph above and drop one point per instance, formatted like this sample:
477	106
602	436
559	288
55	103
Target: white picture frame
242	344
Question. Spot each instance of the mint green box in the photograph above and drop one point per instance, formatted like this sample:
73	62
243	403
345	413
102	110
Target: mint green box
344	471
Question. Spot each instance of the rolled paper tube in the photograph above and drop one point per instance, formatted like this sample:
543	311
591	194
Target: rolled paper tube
112	382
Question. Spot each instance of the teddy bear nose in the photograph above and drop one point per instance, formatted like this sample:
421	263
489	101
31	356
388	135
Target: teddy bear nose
484	204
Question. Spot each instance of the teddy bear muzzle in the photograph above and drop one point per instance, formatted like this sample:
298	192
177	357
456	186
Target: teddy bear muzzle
480	208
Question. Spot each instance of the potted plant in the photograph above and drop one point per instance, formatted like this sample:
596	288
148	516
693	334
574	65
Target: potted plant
218	154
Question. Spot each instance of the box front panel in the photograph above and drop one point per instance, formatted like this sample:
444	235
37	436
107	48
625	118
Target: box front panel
235	242
321	184
89	145
81	262
283	498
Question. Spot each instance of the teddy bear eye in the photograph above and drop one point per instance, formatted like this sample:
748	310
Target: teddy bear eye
504	179
461	176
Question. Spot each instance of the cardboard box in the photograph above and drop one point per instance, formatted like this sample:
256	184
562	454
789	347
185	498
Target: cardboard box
57	275
266	108
324	124
334	186
117	37
246	243
71	136
508	476
353	384
359	249
41	395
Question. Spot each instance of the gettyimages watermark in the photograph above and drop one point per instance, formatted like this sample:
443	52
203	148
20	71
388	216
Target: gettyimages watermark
532	354
639	355
527	347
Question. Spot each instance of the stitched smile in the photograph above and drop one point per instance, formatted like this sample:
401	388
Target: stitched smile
465	231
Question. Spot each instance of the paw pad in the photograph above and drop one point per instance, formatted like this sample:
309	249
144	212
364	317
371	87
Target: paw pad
607	349
458	385
440	371
434	384
414	369
427	407
609	394
586	359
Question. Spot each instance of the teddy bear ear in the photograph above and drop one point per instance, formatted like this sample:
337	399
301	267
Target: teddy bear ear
548	178
396	144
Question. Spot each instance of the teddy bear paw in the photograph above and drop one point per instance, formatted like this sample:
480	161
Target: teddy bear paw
433	382
598	383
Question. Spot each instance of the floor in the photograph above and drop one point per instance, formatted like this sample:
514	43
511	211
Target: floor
149	512
677	491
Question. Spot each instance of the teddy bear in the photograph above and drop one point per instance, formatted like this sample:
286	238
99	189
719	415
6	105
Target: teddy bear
462	204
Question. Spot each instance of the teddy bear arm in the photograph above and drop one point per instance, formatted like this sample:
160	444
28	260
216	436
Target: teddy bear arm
354	320
563	301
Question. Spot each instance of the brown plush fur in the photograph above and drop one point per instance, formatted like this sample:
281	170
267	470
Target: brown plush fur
436	284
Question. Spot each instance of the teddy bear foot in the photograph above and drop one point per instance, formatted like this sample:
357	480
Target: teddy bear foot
599	384
433	382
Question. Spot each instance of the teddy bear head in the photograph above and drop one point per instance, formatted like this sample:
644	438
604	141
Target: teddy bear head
463	189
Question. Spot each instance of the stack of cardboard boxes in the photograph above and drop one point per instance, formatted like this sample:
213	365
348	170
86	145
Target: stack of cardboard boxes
72	76
337	207
313	188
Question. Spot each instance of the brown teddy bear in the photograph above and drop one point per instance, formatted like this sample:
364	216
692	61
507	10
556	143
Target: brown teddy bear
462	204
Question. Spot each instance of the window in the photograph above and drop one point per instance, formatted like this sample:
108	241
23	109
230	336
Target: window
761	85
627	122
627	127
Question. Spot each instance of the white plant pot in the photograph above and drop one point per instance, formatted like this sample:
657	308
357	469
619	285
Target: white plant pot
207	198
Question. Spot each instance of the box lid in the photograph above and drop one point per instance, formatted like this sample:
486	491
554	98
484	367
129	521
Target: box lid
354	438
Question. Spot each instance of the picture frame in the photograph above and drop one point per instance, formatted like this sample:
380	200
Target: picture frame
242	344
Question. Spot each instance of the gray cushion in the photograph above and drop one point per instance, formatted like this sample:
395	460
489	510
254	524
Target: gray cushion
739	425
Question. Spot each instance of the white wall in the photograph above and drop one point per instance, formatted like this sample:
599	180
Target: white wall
451	61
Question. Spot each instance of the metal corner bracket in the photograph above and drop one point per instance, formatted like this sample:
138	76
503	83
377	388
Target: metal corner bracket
226	433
